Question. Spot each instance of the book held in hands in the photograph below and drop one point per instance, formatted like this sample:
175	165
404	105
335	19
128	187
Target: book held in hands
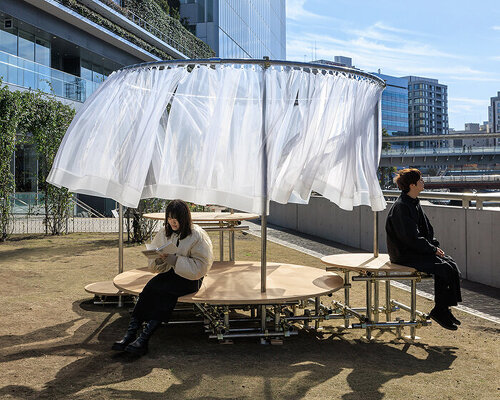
153	252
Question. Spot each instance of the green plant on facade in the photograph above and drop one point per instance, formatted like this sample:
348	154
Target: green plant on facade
10	114
40	120
154	14
47	120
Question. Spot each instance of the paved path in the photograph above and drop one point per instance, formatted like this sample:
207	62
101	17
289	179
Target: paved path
478	299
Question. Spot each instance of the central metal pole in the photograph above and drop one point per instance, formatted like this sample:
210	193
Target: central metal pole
120	238
263	227
120	247
375	234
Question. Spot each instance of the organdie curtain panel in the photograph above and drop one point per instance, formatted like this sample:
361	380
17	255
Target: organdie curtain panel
195	133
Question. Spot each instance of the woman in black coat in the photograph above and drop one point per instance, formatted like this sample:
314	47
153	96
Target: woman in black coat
411	242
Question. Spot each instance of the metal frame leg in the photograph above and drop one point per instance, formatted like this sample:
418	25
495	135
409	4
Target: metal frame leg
388	306
347	286
316	312
376	294
368	308
413	307
221	242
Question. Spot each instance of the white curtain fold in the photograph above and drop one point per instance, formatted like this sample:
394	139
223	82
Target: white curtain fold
196	134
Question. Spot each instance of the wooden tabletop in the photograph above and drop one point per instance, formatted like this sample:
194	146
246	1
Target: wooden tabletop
238	282
209	216
363	262
103	288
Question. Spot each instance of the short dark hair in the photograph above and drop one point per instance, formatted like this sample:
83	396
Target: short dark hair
179	210
407	177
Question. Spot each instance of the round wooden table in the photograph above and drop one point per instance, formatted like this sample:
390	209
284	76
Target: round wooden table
238	282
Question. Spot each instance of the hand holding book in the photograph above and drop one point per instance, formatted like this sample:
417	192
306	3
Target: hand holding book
153	252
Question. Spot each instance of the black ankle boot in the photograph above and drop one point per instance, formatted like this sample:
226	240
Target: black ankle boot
140	345
453	318
130	335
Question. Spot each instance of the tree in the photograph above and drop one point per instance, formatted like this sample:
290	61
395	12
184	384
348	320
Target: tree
386	173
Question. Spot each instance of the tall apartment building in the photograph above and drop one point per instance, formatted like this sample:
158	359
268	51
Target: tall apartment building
494	114
239	28
395	106
69	48
427	109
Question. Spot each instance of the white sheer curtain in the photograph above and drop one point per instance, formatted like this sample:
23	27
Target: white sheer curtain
196	134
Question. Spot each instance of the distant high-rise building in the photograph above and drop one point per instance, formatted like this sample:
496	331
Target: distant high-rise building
239	29
347	61
394	106
494	114
427	109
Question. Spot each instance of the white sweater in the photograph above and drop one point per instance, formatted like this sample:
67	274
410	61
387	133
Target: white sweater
194	253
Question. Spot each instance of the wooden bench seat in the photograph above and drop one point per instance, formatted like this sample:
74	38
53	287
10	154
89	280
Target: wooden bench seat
238	282
372	270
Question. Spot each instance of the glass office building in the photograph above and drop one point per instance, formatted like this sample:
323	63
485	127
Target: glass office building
239	28
47	46
427	110
494	113
395	106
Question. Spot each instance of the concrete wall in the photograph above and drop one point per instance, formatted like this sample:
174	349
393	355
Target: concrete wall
470	236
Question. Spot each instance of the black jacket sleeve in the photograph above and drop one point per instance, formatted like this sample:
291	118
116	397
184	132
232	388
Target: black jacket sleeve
407	231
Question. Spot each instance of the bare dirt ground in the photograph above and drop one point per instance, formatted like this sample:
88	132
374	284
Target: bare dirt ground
55	343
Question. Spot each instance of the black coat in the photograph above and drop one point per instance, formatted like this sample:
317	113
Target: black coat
409	233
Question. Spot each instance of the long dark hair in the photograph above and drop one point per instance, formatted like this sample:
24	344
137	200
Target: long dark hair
179	210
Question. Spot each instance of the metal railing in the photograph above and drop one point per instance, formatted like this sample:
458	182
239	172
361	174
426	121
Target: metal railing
462	178
150	28
31	75
465	198
408	152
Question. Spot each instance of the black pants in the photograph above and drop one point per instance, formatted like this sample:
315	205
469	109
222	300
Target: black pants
159	297
446	277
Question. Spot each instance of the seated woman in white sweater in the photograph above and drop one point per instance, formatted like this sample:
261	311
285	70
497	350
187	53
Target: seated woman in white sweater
179	274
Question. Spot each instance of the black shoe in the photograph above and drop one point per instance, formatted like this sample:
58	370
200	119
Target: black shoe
130	335
443	319
453	318
139	347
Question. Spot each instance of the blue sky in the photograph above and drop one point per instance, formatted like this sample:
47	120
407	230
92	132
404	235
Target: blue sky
457	42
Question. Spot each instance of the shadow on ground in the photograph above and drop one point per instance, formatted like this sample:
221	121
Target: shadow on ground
183	355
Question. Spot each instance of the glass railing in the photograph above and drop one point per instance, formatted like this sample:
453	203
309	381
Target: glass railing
35	76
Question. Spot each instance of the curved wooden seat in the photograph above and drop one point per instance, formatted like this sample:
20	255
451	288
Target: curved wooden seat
238	282
104	288
364	262
209	216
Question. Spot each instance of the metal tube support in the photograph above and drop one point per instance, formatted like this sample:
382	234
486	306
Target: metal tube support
413	305
231	242
316	312
376	294
387	299
368	309
221	242
263	234
375	234
120	247
347	287
263	318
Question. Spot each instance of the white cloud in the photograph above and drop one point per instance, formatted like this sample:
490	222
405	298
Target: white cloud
465	100
496	28
295	11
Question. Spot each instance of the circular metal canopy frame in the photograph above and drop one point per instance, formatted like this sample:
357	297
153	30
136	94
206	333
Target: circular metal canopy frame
264	63
350	73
